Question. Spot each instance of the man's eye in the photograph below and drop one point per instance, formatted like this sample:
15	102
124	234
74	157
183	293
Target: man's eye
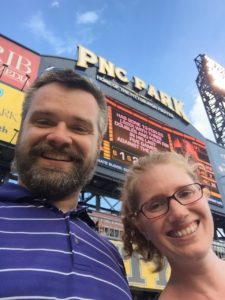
81	129
43	122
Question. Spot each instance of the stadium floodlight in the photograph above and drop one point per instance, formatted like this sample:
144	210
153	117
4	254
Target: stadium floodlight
211	86
216	73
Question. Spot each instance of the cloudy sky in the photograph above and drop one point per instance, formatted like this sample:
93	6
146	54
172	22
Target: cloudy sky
155	40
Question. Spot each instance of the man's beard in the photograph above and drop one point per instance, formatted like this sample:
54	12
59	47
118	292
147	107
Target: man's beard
53	183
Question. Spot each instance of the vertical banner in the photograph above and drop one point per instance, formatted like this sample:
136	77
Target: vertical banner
217	158
10	113
140	274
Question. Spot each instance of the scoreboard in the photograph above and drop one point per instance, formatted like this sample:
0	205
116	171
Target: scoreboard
132	134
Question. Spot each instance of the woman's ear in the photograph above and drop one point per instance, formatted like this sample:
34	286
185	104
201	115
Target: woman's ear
139	224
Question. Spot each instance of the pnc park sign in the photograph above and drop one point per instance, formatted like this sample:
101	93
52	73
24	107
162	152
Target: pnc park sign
117	78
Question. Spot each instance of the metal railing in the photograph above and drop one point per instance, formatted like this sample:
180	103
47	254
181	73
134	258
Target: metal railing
219	248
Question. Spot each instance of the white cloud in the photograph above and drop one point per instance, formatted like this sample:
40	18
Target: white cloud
55	4
199	119
37	25
89	17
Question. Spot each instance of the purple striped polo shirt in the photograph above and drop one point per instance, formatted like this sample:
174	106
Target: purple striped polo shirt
48	254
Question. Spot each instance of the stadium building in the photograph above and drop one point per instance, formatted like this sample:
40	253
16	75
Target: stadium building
141	119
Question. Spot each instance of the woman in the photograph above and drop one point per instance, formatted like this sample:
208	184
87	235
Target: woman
166	214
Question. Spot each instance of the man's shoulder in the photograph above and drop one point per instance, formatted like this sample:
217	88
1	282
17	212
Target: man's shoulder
83	215
11	192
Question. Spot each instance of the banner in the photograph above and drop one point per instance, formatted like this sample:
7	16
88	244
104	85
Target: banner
18	65
10	113
140	274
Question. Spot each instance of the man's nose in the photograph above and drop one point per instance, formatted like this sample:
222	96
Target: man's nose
59	135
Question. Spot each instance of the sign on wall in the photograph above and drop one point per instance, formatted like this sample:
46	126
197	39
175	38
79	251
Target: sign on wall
18	65
10	113
140	274
217	158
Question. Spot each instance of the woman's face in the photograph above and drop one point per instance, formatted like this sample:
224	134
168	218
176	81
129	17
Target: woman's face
185	231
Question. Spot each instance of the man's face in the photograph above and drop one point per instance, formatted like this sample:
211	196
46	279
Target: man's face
59	142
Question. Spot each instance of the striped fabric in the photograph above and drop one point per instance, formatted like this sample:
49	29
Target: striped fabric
46	254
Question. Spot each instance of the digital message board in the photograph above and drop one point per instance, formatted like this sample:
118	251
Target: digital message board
132	134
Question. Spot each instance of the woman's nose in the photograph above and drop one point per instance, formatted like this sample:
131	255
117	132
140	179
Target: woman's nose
177	210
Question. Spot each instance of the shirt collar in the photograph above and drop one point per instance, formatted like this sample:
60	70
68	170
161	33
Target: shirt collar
11	192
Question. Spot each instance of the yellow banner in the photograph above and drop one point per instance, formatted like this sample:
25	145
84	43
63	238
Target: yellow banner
10	113
140	274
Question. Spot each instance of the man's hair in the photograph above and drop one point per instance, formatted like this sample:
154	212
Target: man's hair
71	80
132	238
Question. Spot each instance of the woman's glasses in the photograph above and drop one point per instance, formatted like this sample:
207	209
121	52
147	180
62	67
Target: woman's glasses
159	205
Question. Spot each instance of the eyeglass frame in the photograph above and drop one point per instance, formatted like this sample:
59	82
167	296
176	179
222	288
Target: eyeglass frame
169	198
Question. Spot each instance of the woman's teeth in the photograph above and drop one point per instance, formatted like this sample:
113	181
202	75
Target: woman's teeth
184	232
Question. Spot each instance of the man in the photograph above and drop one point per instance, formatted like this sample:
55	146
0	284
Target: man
48	249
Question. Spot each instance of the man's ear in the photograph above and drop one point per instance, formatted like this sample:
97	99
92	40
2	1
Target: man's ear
100	139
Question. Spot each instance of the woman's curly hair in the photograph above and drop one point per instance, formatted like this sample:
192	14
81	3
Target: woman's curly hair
133	239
